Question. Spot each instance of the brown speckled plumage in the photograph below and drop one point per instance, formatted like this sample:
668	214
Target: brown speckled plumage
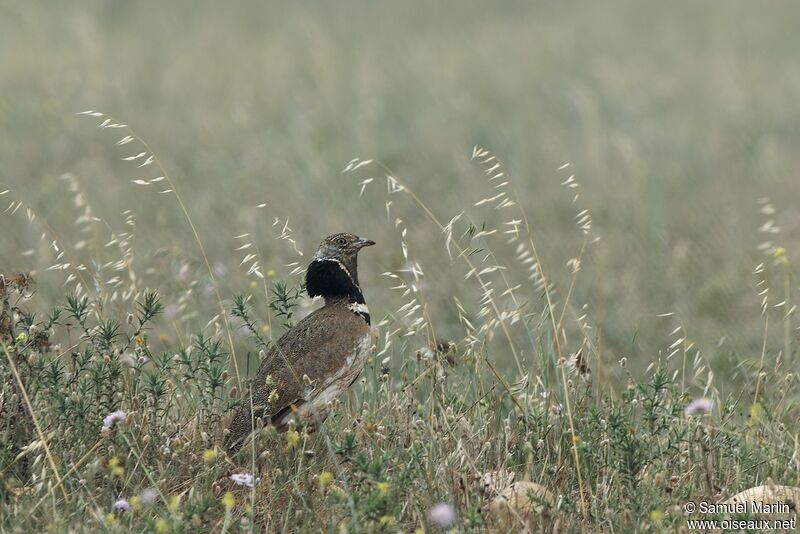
321	356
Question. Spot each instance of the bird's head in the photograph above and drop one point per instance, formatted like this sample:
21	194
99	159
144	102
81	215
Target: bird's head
334	267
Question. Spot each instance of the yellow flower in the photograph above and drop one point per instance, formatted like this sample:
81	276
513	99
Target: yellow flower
576	440
756	412
228	500
162	527
136	502
325	478
383	488
388	521
173	502
140	340
115	466
292	438
110	519
656	516
209	456
271	274
273	396
22	338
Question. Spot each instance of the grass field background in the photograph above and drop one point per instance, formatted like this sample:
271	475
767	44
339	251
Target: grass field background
678	120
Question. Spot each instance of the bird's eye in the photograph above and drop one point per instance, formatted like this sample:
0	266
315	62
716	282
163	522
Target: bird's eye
340	241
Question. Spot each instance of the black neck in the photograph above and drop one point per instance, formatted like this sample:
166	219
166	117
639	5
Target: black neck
332	280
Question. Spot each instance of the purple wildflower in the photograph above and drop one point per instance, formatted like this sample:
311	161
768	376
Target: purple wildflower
220	269
243	479
114	417
171	311
442	515
121	505
701	405
209	289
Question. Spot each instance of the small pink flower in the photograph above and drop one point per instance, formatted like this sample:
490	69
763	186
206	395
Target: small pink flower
701	405
442	515
121	505
114	417
243	479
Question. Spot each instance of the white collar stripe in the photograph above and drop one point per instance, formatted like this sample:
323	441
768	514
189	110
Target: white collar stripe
359	307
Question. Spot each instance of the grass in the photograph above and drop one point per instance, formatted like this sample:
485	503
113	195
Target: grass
664	113
541	320
109	423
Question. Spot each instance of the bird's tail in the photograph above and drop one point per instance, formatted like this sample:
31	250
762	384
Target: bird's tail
240	429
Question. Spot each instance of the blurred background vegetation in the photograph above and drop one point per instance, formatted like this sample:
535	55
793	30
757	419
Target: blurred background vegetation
676	117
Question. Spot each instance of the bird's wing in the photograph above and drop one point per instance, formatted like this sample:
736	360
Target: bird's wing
316	348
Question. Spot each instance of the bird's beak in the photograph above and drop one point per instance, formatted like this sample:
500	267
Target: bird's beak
364	242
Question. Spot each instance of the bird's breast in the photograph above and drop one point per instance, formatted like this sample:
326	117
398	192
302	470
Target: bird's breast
347	373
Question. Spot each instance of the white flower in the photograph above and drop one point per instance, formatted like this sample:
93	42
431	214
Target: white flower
442	515
148	497
114	417
243	479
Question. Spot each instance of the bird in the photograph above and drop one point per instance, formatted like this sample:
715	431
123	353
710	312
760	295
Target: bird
321	356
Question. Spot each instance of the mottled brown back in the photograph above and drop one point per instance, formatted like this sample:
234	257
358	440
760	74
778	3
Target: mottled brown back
318	347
